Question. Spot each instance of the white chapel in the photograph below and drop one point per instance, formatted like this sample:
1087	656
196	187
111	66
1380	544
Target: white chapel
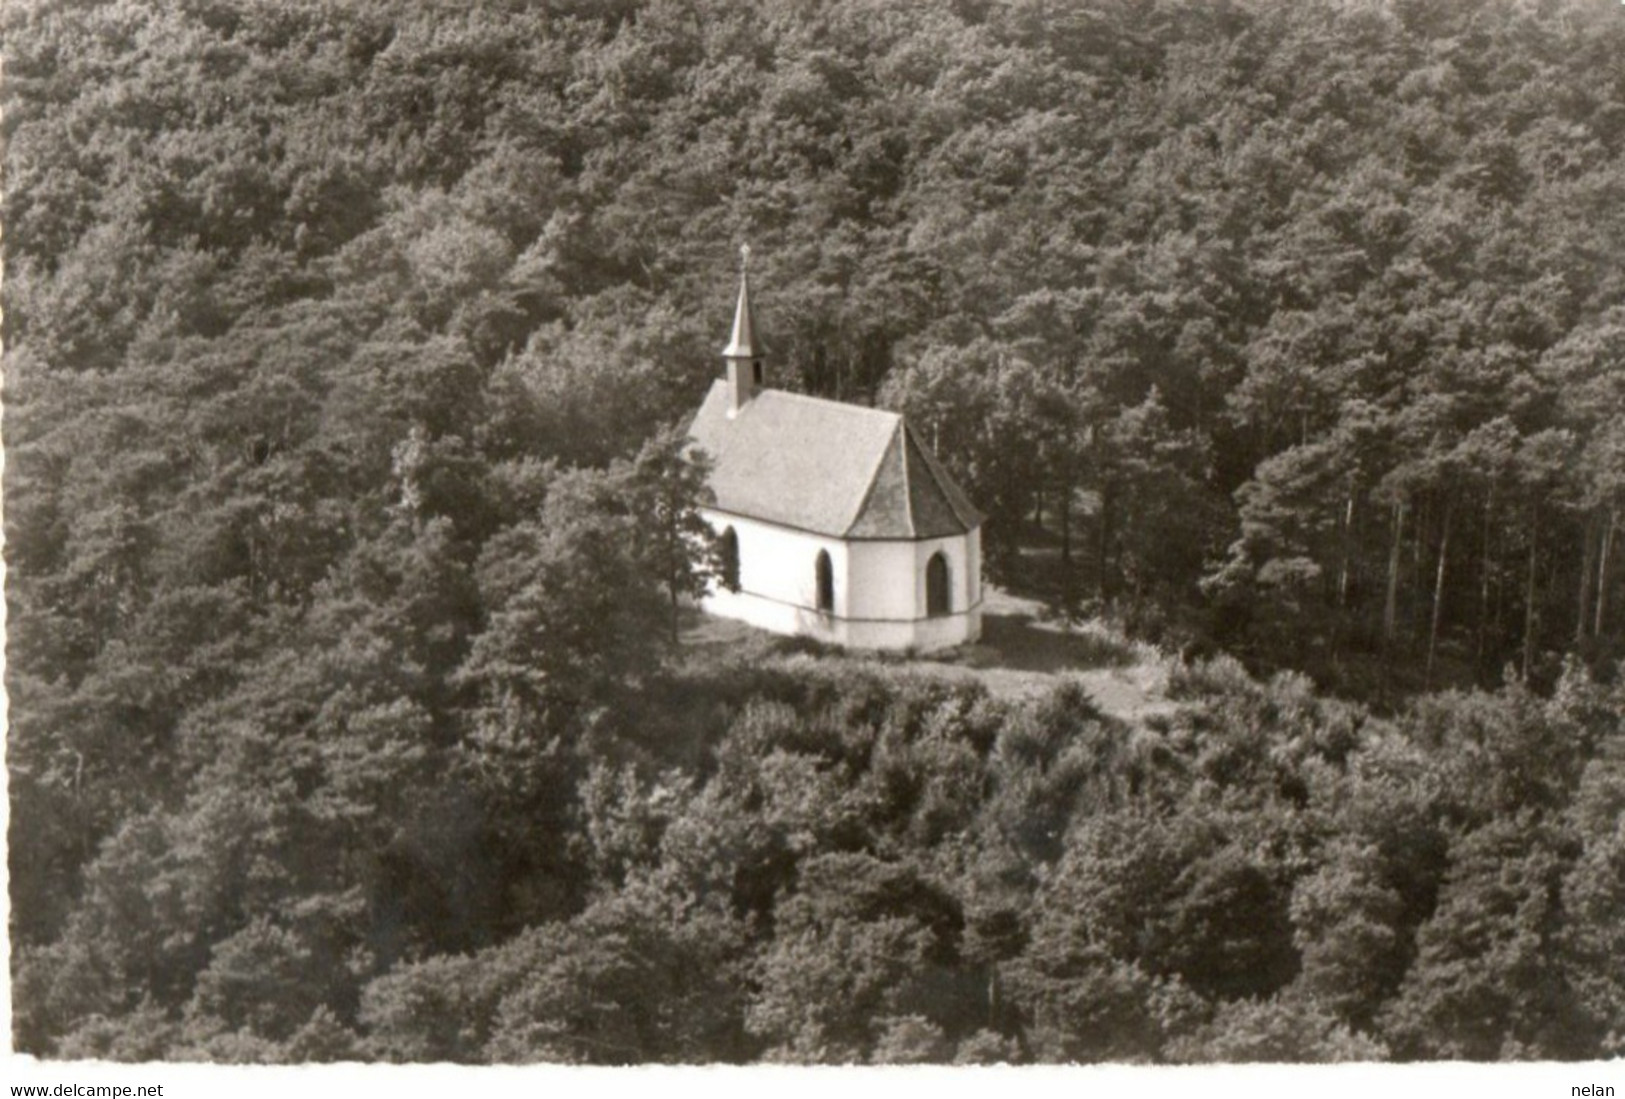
835	521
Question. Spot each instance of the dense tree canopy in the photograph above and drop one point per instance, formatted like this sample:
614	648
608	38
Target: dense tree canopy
348	348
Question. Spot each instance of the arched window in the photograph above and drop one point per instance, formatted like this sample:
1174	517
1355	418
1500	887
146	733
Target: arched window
936	586
728	559
826	582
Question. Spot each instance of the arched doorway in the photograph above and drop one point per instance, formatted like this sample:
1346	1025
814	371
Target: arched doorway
937	600
728	559
826	583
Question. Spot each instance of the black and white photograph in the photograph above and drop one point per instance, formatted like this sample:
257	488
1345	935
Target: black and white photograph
815	533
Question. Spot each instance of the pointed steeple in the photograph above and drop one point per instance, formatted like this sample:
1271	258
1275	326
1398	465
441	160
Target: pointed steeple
743	343
744	353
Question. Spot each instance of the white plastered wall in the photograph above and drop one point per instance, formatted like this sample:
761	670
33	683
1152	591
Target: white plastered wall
880	598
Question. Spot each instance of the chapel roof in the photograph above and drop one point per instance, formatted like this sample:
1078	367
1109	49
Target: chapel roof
836	469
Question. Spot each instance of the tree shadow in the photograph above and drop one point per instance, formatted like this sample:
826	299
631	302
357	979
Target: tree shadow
1019	642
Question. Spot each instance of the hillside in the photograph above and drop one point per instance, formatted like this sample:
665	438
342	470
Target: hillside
348	530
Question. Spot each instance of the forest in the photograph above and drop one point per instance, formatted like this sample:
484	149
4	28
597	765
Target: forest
350	529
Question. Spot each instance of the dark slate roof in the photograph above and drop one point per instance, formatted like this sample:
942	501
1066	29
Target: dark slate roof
826	467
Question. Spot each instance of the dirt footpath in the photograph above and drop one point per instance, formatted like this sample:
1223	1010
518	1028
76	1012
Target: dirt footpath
1022	655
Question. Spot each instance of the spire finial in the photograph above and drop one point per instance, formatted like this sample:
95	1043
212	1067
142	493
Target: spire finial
744	258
